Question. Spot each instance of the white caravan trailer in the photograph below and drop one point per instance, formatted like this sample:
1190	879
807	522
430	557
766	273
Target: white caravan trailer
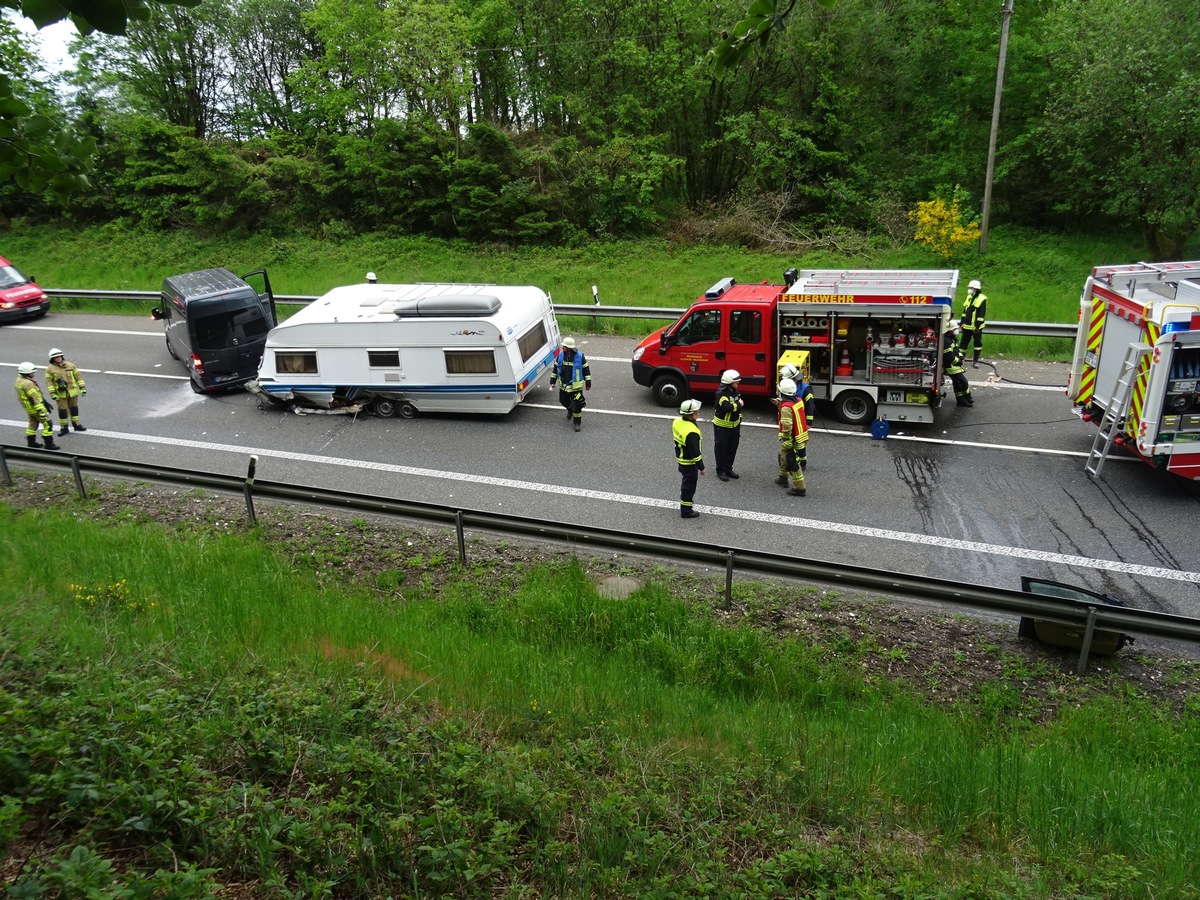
400	349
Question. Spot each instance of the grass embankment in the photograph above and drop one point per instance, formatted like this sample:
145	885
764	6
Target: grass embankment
1028	276
182	708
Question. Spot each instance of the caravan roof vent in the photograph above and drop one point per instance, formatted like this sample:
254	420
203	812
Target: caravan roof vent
450	305
715	292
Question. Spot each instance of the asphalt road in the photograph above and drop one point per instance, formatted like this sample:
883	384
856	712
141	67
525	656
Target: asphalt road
984	495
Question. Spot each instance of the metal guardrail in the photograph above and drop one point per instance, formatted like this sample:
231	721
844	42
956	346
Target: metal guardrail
952	593
1023	329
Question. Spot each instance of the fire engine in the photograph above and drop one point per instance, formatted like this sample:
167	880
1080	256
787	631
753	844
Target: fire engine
870	341
1136	364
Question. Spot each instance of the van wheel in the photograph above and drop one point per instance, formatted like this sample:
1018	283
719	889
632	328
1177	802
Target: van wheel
171	349
669	390
407	410
385	407
854	407
198	388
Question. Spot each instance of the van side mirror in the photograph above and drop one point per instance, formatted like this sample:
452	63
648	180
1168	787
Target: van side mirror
156	314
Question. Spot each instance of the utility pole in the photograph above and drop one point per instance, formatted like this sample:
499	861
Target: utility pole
1005	16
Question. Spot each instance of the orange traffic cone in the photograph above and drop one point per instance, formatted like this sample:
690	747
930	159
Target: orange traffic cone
845	367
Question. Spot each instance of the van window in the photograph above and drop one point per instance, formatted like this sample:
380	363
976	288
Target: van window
470	362
296	362
532	341
383	359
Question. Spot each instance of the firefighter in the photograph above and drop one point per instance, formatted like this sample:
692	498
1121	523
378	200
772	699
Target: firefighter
35	405
65	383
727	424
803	390
793	439
688	455
952	365
573	376
973	319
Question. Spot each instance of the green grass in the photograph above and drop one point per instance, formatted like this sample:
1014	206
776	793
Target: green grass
185	709
1028	276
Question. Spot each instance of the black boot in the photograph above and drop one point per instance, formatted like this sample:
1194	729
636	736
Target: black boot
975	361
31	440
79	427
49	440
64	430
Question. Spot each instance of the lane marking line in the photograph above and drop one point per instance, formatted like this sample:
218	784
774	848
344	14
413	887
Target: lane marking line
860	531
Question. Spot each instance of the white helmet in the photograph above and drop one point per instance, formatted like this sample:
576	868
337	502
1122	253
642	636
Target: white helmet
952	327
26	368
687	407
569	343
371	278
729	376
974	285
787	387
55	352
788	371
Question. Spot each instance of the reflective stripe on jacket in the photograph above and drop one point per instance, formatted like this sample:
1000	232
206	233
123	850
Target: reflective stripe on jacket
578	369
974	312
729	411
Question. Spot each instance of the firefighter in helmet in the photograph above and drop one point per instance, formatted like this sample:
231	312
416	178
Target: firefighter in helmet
793	439
65	383
688	455
973	319
952	365
36	407
727	424
574	376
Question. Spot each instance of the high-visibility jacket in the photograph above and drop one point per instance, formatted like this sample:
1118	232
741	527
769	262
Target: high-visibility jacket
571	374
793	425
729	410
688	442
64	380
974	312
952	357
31	397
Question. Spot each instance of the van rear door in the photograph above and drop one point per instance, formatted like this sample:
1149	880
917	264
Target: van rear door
261	285
229	335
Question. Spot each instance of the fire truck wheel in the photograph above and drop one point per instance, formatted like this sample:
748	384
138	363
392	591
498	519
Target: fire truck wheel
407	410
669	390
384	407
854	407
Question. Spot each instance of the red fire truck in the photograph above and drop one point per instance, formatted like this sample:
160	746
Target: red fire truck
868	340
1136	368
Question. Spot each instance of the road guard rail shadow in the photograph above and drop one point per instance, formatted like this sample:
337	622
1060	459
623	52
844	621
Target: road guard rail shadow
1024	329
949	593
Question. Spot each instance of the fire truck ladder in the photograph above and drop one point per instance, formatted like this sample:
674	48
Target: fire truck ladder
1114	416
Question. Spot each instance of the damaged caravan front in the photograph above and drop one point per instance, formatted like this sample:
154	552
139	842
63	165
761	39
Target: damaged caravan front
400	349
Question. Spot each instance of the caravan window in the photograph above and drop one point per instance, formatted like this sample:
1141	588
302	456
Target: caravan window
383	359
532	341
470	362
296	362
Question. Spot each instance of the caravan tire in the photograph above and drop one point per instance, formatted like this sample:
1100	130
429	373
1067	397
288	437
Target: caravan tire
407	410
385	407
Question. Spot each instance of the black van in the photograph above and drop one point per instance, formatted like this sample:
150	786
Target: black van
217	324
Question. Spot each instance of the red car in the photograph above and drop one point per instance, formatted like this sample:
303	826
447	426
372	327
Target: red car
20	297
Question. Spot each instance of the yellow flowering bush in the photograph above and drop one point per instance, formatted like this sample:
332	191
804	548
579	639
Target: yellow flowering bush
113	597
945	227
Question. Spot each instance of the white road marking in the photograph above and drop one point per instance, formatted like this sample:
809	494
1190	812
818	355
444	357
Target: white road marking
860	531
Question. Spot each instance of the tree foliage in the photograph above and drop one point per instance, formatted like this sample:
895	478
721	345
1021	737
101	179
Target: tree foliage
519	121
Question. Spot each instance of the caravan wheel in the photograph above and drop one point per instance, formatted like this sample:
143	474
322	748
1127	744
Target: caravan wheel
384	407
407	410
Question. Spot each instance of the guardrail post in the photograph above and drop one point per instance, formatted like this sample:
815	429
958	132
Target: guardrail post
78	473
1086	646
4	468
462	542
728	580
248	489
